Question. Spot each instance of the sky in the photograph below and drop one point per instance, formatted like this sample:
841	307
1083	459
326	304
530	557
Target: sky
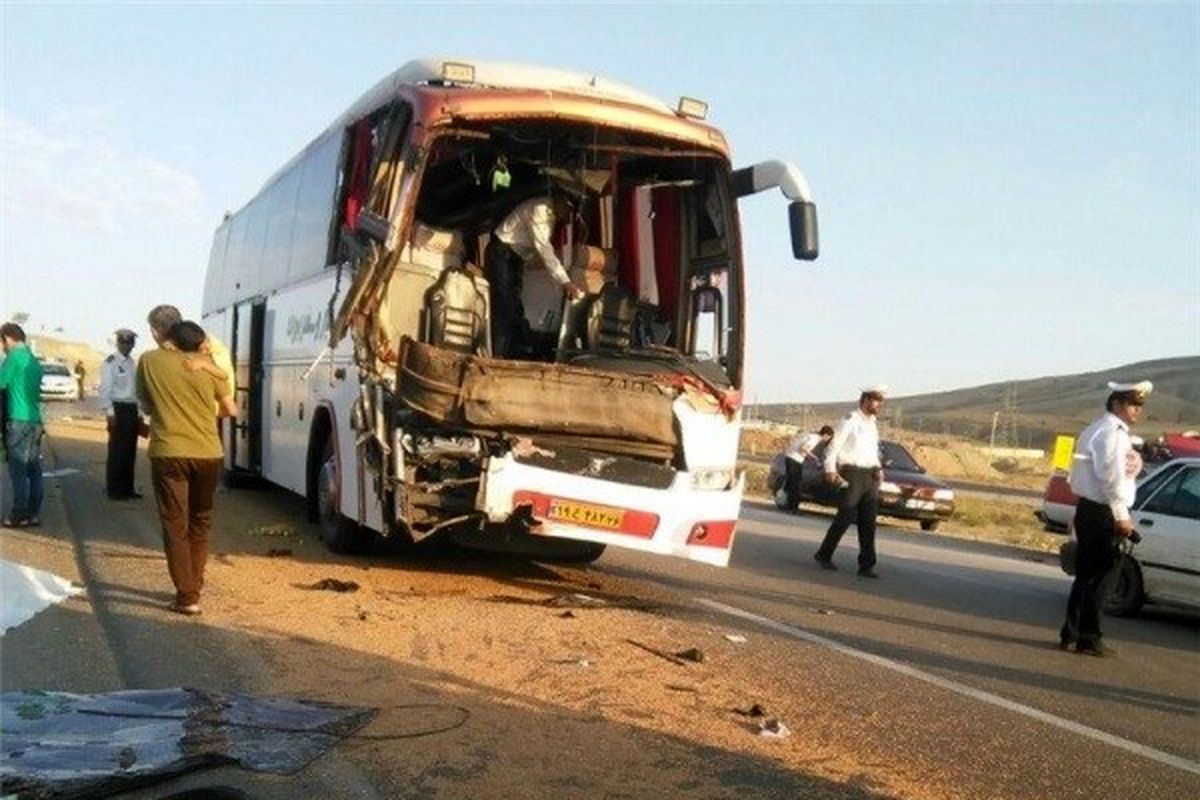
1004	191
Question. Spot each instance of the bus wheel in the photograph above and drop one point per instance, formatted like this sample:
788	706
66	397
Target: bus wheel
341	535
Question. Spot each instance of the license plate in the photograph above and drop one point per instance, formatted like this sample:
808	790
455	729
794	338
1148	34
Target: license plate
920	505
586	514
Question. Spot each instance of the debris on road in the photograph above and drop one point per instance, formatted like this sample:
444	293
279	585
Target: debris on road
26	591
96	745
330	585
753	711
279	552
694	654
567	615
773	729
574	600
674	659
60	473
736	638
676	687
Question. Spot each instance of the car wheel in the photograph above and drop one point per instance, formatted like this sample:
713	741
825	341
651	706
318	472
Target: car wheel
784	501
340	534
1123	591
930	524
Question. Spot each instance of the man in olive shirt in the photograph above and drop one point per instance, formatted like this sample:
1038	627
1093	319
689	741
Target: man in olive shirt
21	380
185	451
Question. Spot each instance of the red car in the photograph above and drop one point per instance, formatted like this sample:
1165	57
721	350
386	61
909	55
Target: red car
1058	503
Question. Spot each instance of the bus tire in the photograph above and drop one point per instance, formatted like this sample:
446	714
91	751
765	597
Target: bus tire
340	534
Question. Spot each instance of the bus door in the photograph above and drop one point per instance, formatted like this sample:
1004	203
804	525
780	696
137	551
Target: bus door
245	441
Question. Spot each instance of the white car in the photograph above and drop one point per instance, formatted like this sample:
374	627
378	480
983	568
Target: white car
58	383
1165	566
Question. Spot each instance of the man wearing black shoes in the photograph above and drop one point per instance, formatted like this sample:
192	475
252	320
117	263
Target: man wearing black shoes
852	462
119	403
1103	476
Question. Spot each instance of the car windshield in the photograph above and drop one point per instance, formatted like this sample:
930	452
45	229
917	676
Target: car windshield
894	456
55	369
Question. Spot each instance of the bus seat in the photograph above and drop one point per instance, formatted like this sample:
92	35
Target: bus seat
457	313
610	319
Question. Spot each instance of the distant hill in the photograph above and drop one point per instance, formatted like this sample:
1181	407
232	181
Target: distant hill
1031	411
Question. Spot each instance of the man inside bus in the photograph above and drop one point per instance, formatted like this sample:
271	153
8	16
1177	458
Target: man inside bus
521	240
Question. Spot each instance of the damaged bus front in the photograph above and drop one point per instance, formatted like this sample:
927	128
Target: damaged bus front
611	415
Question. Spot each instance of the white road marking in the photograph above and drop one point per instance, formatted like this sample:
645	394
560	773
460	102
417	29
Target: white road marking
960	688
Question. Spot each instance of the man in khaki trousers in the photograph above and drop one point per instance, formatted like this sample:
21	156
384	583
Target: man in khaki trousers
185	450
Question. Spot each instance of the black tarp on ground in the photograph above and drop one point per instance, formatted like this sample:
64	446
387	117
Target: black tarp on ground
60	745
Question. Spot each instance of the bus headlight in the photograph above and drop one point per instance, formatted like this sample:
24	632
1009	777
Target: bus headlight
711	480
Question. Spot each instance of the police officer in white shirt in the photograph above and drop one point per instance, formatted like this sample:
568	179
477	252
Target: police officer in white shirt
1103	476
523	237
852	461
803	447
119	402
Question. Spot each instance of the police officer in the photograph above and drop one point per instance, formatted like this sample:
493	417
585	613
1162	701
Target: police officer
119	402
1103	476
852	462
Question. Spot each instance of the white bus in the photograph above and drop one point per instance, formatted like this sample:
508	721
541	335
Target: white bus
351	293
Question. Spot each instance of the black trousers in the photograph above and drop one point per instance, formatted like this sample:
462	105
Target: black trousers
506	274
1095	532
122	451
859	505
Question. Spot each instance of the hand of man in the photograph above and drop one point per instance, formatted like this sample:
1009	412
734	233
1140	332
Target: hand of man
110	423
143	429
572	291
1124	528
832	478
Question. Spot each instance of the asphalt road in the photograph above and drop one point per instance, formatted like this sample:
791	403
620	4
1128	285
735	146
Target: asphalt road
948	664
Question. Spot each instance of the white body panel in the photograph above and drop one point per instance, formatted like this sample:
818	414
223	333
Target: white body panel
678	508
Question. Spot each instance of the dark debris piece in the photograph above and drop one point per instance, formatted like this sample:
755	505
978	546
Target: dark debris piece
753	711
330	585
694	654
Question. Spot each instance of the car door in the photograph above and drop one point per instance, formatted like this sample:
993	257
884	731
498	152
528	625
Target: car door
1169	521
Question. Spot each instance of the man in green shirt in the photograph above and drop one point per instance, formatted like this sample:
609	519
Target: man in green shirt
185	450
21	380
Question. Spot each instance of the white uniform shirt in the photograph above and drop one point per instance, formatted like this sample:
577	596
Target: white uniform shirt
527	230
855	443
802	446
117	375
1105	465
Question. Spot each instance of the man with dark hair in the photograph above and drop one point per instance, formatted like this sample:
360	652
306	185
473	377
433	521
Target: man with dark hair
119	403
803	447
523	239
163	318
1103	476
852	461
21	381
185	452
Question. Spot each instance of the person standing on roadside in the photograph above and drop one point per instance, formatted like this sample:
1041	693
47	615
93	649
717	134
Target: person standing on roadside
119	403
21	380
185	450
80	376
1103	476
852	461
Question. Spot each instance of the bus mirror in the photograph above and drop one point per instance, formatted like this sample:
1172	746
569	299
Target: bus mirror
802	219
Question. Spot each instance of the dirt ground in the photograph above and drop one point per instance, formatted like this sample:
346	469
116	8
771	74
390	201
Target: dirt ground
480	660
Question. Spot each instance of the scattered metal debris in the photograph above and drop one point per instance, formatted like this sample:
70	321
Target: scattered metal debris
694	654
676	687
674	659
567	614
330	585
98	745
575	600
736	638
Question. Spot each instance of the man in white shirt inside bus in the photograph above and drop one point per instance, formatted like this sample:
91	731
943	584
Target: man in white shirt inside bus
1103	476
523	237
852	461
